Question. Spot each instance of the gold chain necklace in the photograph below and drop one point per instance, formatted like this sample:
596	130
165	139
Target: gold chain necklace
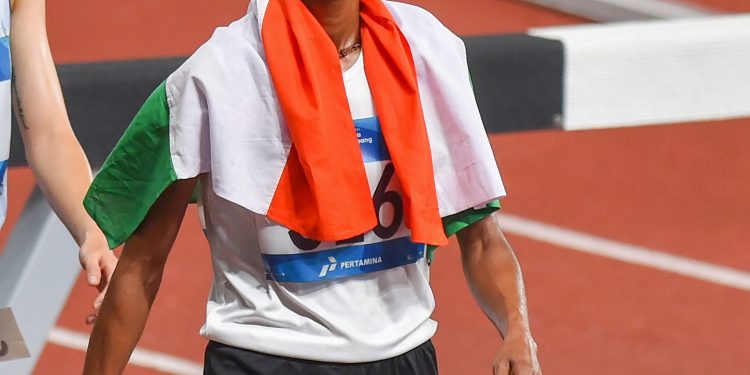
348	50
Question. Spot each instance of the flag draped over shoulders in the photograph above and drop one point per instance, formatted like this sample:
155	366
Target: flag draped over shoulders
264	111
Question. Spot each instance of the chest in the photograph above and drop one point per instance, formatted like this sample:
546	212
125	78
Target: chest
290	257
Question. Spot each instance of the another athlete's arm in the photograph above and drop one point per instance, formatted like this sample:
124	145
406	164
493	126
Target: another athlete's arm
52	150
494	277
135	283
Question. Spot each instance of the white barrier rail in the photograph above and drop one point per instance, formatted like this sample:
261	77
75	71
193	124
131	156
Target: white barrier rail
654	72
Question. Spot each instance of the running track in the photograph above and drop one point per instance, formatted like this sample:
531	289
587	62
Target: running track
680	190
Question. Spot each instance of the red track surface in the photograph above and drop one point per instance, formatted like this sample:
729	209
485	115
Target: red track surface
679	188
726	6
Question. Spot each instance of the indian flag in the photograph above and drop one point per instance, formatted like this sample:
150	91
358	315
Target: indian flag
221	114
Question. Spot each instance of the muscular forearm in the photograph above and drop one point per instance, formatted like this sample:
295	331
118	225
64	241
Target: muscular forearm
123	316
135	282
494	277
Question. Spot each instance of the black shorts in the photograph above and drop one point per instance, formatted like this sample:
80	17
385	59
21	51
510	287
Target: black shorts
227	360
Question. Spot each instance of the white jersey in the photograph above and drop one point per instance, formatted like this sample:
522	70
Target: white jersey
359	300
5	105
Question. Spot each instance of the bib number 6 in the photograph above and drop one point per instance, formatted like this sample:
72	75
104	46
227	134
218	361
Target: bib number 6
380	197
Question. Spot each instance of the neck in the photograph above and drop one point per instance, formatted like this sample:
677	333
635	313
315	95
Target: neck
339	18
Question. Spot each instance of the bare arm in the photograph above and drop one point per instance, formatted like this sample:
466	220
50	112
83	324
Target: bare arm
52	150
135	283
494	277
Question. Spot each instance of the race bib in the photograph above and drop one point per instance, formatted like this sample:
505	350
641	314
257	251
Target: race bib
290	257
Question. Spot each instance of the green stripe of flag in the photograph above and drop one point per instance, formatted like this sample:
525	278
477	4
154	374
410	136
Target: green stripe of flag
455	223
135	174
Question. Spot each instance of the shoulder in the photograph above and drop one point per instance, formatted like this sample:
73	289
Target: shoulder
413	18
410	11
426	35
229	48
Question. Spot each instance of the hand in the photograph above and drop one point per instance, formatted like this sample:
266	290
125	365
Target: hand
518	356
99	263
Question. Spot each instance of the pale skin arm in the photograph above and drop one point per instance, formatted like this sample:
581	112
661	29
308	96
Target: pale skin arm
135	283
494	277
52	150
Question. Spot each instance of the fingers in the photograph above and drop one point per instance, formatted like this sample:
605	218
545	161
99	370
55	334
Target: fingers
91	318
501	367
522	369
505	366
93	273
98	301
99	270
107	265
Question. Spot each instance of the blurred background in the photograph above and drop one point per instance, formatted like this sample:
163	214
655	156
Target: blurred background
577	201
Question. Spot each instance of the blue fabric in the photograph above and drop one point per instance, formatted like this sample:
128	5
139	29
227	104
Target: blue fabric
343	261
3	170
5	72
371	141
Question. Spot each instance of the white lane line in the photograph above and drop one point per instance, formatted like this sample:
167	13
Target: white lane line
642	256
141	357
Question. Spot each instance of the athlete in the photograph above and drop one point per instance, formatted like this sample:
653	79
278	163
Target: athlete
336	143
52	150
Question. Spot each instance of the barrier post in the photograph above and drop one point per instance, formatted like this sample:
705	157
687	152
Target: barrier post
38	269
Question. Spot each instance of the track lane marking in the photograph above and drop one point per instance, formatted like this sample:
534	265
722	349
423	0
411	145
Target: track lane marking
623	252
141	357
